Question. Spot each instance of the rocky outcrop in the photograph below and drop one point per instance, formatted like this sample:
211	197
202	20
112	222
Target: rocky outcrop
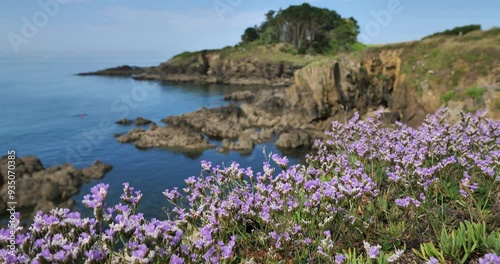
245	142
331	88
140	121
43	189
211	67
175	137
218	123
240	96
295	139
121	71
124	121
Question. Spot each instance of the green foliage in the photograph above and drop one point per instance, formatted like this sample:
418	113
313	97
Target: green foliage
428	250
357	46
250	35
492	243
475	92
457	31
448	96
309	29
497	105
461	244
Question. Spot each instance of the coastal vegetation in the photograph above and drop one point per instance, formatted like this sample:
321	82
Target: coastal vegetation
422	189
367	194
308	29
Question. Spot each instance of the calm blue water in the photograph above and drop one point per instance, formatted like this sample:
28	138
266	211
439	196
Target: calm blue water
42	103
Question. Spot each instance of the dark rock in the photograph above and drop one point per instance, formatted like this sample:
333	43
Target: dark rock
243	144
49	191
153	126
133	135
44	189
239	96
96	171
124	121
142	121
223	122
177	137
294	139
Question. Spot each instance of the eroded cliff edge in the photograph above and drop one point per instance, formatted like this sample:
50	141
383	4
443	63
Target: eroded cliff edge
410	79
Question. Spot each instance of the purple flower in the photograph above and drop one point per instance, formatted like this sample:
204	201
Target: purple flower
490	258
227	252
176	260
177	238
206	165
340	258
172	194
95	200
432	260
128	197
140	252
282	162
372	251
96	255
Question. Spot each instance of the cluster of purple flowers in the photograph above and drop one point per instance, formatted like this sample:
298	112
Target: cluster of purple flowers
309	212
490	258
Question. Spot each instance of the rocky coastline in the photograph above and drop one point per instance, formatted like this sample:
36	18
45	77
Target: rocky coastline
43	189
210	67
405	79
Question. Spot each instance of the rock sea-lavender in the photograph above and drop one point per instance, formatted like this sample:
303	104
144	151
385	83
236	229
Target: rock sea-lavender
365	183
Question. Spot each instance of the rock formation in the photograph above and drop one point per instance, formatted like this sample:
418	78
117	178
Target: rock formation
124	121
42	189
176	137
140	121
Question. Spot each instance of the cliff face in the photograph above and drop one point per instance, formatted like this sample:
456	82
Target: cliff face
411	80
211	67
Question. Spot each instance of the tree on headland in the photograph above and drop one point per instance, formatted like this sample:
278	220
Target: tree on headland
307	28
250	35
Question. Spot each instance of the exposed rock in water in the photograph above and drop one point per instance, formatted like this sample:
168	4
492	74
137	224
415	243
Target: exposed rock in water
142	121
295	139
124	121
176	137
239	96
245	142
243	145
43	189
223	122
153	126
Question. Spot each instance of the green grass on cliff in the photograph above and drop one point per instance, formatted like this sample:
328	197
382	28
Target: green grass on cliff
447	61
276	53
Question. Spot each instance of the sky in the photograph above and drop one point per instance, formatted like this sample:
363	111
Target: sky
168	27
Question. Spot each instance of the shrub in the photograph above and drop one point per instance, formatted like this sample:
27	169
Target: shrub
475	92
449	96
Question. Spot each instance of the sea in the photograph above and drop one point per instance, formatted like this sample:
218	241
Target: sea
50	112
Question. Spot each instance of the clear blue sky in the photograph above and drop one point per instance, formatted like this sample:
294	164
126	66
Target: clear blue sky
168	27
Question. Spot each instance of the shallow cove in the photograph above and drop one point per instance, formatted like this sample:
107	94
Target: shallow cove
49	112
